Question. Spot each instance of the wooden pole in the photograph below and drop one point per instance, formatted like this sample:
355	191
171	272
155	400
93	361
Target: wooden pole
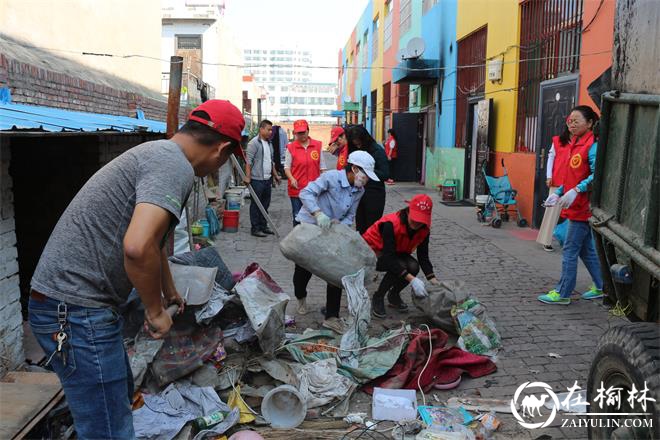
174	95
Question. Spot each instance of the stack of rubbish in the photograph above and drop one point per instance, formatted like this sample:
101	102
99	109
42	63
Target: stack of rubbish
229	352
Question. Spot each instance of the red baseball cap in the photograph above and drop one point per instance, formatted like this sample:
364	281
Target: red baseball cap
335	133
226	119
420	208
300	126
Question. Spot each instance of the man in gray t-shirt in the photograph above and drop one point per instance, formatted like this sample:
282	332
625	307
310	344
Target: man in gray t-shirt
111	238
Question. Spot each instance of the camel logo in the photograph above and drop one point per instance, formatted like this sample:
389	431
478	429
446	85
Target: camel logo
531	405
576	160
314	155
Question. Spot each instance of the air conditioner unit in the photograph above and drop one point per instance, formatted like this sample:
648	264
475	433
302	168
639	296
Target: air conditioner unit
495	70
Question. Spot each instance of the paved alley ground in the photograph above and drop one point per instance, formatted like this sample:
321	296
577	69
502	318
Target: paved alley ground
505	269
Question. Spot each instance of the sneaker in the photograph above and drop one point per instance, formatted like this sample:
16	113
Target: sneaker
378	306
302	306
553	297
267	231
394	300
593	293
258	233
548	248
334	324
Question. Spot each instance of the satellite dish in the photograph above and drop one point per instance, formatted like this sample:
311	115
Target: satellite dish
347	98
415	47
402	55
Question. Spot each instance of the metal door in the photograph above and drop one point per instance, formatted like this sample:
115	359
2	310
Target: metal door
557	98
409	129
484	110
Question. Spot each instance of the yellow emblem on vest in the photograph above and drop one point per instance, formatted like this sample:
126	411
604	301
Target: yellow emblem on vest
314	155
576	161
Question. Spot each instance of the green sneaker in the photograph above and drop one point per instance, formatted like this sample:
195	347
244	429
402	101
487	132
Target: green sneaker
553	297
593	293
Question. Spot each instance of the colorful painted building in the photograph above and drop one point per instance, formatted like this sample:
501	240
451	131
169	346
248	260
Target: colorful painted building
474	84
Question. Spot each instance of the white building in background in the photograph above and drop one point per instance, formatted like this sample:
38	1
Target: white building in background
292	94
197	31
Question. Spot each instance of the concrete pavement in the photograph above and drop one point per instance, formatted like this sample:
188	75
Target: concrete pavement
504	268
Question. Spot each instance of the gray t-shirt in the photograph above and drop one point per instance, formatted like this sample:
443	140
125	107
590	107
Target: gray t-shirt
83	261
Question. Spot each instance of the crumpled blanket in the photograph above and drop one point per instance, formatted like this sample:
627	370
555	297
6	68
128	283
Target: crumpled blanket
163	415
447	364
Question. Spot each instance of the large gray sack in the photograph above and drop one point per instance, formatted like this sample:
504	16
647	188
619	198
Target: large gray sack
330	254
437	306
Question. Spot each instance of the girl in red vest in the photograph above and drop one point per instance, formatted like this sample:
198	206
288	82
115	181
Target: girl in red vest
392	152
394	238
555	172
338	146
573	198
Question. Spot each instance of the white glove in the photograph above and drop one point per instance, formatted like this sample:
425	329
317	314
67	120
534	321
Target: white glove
567	199
323	221
551	200
418	288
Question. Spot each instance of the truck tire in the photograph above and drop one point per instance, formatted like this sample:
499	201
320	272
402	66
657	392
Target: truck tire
626	354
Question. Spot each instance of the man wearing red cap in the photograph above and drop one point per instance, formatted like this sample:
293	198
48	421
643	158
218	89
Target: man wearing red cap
338	147
303	163
394	238
109	239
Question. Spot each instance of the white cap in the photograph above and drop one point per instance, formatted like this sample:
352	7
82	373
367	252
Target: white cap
364	160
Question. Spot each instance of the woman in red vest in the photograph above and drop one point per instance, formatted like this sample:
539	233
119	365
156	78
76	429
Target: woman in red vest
338	147
394	238
555	171
573	198
303	163
392	152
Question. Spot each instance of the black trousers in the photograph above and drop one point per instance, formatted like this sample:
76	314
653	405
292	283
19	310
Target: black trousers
395	283
301	277
263	190
371	207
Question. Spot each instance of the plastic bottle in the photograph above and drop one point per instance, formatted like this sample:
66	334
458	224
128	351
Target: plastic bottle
206	422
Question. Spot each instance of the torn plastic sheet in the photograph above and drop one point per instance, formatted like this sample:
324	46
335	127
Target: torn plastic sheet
240	334
320	383
207	257
164	414
438	304
219	297
265	303
359	307
142	354
196	281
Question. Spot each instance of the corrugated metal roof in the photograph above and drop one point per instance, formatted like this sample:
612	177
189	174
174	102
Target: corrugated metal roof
25	117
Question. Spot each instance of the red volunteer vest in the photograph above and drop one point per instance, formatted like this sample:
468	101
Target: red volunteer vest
576	171
404	244
561	162
392	152
305	164
342	158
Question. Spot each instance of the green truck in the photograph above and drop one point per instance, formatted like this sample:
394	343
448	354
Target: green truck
626	215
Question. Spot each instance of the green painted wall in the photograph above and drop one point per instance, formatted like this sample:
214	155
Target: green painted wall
445	163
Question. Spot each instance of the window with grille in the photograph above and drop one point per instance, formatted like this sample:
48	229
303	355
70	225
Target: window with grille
550	39
365	47
387	111
387	26
405	19
188	41
470	81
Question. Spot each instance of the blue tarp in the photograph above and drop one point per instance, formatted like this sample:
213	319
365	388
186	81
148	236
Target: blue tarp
22	117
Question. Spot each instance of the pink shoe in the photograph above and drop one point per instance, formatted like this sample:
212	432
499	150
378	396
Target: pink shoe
448	386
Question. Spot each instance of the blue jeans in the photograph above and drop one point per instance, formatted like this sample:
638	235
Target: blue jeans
296	204
579	242
96	378
263	189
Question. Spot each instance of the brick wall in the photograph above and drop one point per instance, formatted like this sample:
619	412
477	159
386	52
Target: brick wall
11	329
37	86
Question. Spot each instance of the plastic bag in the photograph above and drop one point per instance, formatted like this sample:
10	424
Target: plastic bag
265	303
560	232
478	334
438	305
330	254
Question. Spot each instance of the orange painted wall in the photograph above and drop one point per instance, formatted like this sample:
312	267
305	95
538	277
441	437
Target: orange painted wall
520	167
599	37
